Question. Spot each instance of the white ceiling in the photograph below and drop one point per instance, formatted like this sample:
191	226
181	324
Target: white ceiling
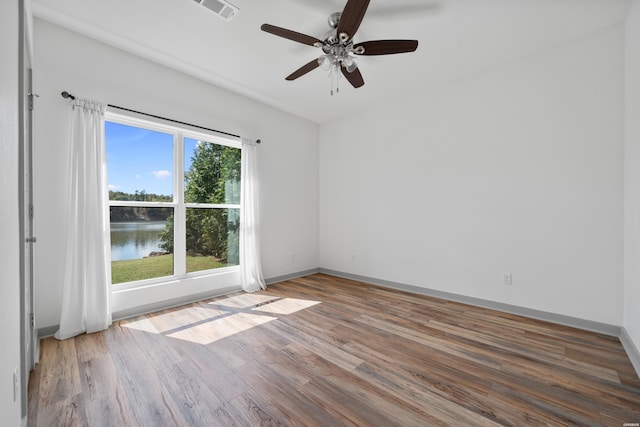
457	38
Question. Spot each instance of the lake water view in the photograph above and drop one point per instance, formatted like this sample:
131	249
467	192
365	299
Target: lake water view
135	240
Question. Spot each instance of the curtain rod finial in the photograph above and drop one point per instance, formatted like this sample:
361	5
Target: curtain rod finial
66	95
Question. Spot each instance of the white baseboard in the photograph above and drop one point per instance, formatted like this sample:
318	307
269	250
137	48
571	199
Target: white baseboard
290	276
631	349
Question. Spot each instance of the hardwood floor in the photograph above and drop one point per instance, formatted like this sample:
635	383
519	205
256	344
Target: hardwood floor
323	351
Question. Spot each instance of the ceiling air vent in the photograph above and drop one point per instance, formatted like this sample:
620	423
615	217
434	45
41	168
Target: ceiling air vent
223	9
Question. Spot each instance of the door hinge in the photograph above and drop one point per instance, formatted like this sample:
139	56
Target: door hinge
31	95
33	321
30	212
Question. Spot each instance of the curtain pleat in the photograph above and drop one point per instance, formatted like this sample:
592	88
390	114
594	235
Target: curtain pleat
250	267
86	296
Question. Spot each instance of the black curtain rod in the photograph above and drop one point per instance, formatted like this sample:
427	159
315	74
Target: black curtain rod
67	95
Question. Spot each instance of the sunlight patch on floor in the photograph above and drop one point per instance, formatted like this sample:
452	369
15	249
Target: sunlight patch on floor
143	325
244	300
286	306
210	332
174	319
210	322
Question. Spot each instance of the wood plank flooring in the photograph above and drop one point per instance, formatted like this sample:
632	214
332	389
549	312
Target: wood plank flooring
324	351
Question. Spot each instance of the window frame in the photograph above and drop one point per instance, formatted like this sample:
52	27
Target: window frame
179	132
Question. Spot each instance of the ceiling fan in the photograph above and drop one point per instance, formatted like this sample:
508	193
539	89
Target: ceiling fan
337	45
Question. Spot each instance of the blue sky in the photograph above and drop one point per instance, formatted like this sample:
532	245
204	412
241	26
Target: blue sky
140	159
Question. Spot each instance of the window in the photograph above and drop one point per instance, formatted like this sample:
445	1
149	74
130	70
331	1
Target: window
174	200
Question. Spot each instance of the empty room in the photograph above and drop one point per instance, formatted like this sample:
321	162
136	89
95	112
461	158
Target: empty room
320	213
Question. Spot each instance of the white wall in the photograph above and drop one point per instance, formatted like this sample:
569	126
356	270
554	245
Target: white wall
632	177
517	169
9	217
288	156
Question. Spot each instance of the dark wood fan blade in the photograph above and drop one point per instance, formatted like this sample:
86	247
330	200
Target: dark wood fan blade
387	47
355	78
291	35
351	17
310	66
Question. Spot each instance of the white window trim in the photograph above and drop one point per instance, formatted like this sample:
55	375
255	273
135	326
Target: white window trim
179	132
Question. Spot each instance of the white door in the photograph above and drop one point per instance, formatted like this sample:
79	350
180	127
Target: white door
28	337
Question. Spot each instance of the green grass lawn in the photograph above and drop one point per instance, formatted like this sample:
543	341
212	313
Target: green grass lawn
157	266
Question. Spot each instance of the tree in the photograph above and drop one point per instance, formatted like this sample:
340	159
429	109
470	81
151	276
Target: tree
213	178
138	213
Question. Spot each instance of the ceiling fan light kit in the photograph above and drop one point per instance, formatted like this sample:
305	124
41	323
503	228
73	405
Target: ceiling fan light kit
338	48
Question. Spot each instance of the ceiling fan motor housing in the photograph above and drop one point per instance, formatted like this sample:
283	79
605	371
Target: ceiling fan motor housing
338	49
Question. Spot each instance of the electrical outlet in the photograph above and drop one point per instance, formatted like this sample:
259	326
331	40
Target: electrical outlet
507	279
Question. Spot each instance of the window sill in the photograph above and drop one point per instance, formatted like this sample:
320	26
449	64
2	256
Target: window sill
155	294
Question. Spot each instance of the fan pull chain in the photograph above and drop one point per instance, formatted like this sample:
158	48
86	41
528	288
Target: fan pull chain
334	78
331	79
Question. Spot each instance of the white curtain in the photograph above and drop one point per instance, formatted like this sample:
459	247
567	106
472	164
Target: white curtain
86	296
250	269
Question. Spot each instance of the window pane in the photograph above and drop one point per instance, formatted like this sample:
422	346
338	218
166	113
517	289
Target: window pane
139	163
212	238
212	173
141	243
